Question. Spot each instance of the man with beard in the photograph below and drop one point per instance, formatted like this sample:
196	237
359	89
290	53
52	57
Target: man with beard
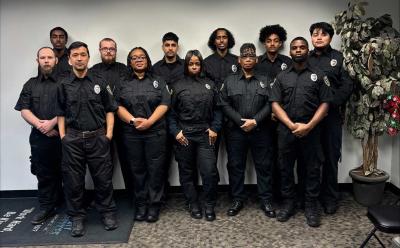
85	110
330	61
114	73
272	62
221	63
36	103
245	102
300	97
170	68
59	39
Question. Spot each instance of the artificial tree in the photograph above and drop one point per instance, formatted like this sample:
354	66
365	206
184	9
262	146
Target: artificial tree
371	49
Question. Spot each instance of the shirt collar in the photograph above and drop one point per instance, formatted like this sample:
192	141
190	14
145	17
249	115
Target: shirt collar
325	51
178	60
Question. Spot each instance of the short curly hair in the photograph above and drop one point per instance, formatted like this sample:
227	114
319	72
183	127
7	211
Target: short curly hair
277	29
211	40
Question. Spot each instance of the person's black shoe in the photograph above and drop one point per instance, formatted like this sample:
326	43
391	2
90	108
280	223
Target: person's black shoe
78	228
141	213
209	213
330	208
154	213
110	221
269	211
235	208
42	216
286	212
195	211
311	212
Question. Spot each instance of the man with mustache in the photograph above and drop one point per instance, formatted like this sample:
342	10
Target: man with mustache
59	39
300	97
36	103
85	110
245	102
170	68
272	62
114	73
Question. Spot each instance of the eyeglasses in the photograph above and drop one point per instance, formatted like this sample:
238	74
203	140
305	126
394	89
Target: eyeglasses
134	58
108	49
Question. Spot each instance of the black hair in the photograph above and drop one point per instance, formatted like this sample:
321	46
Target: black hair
299	38
60	29
213	36
170	36
277	29
247	46
108	39
128	60
77	44
324	26
40	49
188	56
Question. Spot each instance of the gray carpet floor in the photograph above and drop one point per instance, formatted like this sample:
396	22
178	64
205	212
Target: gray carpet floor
251	228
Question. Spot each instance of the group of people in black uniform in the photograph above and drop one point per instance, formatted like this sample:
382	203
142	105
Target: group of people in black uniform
282	109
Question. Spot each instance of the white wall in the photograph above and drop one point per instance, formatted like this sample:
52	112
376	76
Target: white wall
25	27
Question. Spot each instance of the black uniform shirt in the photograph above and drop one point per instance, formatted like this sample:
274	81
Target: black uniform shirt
245	98
301	93
194	106
85	101
113	73
330	61
217	68
63	68
141	97
170	72
266	67
39	95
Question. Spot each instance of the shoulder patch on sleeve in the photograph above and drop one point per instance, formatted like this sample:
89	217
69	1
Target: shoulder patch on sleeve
222	86
170	91
109	89
326	81
272	83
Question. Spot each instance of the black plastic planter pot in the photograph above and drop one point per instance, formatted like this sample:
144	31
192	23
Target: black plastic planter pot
368	191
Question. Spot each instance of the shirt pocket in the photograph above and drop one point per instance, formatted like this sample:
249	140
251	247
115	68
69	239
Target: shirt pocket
287	94
153	97
235	96
35	104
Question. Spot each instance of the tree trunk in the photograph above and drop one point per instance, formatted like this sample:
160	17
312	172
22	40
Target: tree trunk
370	153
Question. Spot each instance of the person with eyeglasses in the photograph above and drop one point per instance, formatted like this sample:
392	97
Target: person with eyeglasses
194	121
244	99
143	100
114	73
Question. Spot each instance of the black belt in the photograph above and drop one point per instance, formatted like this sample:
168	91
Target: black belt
86	134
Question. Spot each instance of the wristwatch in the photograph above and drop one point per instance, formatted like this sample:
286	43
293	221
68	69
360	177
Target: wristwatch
132	121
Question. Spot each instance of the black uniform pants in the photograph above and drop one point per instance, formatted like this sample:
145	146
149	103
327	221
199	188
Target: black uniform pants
121	150
198	152
46	165
331	138
145	155
308	153
95	152
259	142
